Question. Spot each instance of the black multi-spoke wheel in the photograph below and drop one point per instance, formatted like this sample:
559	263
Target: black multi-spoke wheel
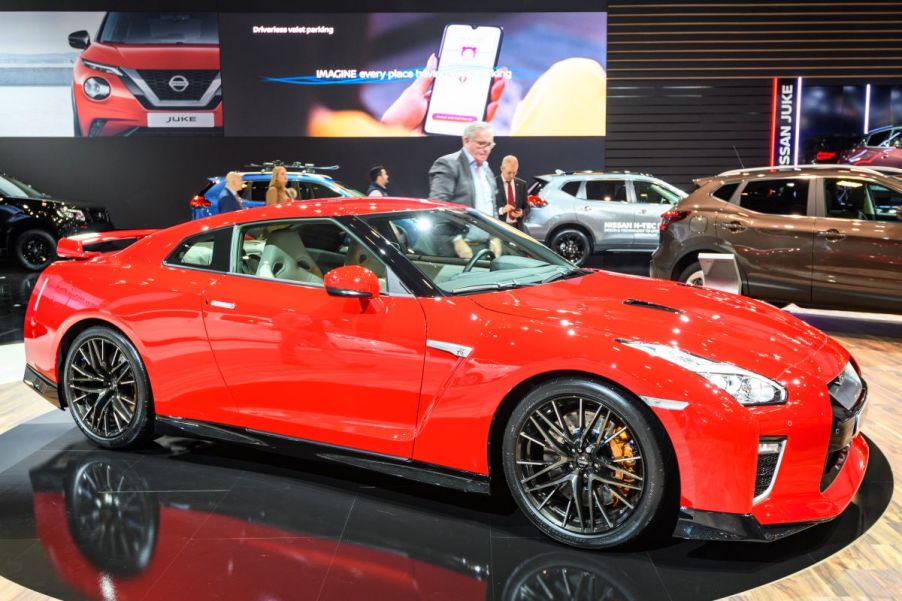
35	249
105	385
583	463
572	244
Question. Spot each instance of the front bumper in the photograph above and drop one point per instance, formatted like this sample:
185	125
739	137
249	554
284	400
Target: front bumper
42	386
712	525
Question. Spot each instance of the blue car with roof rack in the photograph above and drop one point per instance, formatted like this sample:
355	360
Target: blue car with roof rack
302	178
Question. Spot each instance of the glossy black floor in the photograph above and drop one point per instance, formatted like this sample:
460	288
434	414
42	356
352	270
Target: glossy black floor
186	519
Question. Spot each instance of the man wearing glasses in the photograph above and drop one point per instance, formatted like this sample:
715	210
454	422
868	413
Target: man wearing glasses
465	177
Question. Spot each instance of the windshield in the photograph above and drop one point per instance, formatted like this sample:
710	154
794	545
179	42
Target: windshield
159	28
466	252
10	186
347	190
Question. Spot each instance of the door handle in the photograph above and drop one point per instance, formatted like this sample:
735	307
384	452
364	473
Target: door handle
831	234
587	208
733	226
222	304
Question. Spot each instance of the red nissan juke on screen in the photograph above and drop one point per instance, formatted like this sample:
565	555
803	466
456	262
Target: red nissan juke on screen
148	73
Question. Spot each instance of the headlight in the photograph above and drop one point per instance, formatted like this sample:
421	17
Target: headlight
73	214
100	67
97	88
746	387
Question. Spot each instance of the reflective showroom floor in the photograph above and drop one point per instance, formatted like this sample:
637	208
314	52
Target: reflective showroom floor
196	520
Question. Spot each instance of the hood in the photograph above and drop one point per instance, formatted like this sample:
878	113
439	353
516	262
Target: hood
155	56
712	324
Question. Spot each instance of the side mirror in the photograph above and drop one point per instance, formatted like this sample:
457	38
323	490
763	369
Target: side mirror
80	39
352	281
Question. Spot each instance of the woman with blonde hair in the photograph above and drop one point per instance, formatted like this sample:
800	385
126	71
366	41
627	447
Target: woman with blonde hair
277	192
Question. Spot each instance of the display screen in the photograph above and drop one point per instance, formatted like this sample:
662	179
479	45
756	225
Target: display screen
397	74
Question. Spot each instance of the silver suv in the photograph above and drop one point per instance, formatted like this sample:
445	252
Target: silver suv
580	213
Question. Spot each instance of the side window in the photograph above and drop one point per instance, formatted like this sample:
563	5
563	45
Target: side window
606	189
846	199
776	196
725	192
571	188
878	138
209	250
256	190
650	192
886	202
303	251
320	191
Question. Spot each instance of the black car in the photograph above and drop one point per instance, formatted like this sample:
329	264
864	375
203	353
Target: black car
31	222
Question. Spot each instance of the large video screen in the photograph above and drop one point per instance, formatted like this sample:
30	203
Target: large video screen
395	74
125	73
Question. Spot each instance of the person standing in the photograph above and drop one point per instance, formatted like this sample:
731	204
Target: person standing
229	199
510	201
464	176
378	181
277	192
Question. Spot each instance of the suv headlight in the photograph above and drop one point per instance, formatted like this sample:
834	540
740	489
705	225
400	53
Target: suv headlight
746	387
75	214
101	67
97	88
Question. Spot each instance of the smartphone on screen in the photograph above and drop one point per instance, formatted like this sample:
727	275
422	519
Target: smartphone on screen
463	78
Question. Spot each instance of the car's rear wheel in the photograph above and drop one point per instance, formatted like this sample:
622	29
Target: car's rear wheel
35	249
572	244
693	275
107	389
583	462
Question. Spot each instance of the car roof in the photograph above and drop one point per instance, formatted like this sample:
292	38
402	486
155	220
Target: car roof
560	173
820	169
259	176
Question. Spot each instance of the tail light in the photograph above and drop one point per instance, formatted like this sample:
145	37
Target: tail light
536	201
199	201
671	217
825	155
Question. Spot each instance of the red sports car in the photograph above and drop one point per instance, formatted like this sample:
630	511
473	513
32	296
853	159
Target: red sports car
427	341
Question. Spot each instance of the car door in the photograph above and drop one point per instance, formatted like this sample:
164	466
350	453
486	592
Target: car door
770	230
858	246
306	365
651	200
608	213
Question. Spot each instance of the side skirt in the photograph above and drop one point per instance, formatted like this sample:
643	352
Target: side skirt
386	464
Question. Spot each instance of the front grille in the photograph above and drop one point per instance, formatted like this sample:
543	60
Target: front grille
198	83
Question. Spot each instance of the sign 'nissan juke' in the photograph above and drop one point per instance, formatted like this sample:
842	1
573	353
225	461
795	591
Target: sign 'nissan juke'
428	341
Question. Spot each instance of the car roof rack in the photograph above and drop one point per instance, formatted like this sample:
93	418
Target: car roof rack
595	172
800	168
294	166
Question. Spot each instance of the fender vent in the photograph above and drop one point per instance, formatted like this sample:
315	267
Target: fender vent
641	303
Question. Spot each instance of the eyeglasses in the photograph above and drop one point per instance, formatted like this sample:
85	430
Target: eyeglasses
489	145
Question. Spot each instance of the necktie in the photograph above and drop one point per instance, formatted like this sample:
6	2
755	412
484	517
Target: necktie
510	200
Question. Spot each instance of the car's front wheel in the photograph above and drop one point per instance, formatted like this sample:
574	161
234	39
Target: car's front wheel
572	244
693	275
35	249
107	390
584	463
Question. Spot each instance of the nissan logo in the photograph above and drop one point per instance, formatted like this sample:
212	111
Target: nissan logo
178	83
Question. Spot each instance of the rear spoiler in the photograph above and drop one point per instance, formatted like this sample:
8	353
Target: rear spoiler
73	247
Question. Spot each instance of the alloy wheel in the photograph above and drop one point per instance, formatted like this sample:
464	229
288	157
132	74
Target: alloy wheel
579	465
571	247
101	386
36	250
696	278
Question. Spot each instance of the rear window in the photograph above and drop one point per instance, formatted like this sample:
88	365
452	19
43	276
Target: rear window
536	186
207	250
159	28
776	196
571	188
725	192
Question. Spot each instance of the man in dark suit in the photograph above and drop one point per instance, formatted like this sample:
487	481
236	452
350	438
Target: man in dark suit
229	199
510	200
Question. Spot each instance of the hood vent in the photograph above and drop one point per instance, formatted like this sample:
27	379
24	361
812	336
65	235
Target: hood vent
641	303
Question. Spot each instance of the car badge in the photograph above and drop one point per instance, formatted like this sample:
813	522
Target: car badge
178	83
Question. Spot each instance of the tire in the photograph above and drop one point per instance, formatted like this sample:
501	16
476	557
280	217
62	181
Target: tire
692	275
105	385
35	249
619	499
572	244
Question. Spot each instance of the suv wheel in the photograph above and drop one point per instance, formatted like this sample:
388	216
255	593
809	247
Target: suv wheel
35	249
572	244
693	275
